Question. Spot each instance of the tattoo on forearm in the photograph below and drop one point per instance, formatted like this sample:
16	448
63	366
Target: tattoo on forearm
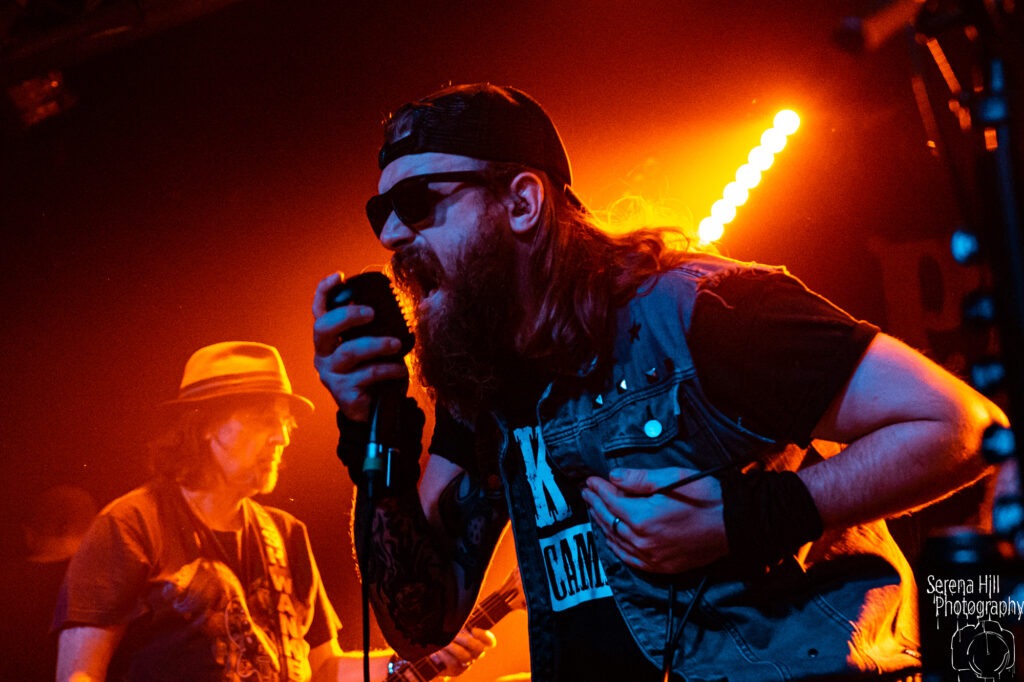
408	568
403	568
475	519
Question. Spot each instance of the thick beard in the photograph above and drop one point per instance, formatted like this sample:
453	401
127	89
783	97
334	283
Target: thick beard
465	348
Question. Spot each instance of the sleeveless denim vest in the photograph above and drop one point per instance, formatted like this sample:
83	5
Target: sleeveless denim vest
845	605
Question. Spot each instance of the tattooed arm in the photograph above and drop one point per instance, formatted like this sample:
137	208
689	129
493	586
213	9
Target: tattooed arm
422	553
458	507
425	556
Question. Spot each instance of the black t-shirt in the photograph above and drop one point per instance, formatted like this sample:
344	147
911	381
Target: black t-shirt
770	354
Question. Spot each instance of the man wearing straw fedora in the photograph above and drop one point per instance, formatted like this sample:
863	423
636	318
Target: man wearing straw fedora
188	578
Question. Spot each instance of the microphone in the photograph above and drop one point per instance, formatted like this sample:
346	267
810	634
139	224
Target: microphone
867	34
373	289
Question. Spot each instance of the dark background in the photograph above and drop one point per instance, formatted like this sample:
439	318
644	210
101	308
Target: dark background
208	171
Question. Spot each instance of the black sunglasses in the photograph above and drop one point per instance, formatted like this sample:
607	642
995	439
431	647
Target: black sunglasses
413	201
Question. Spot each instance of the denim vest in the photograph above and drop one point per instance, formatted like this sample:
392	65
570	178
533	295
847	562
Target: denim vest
846	604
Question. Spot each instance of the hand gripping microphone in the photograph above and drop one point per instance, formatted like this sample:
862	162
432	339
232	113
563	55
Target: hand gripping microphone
373	289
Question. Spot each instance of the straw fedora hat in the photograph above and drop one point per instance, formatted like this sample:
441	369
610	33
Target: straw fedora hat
237	368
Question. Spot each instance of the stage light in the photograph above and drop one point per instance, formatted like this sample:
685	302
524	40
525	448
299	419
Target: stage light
710	230
964	246
735	193
760	158
787	122
40	98
998	444
979	308
774	140
1007	515
748	176
723	212
988	375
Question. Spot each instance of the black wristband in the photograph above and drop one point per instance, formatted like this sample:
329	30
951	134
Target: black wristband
768	515
353	438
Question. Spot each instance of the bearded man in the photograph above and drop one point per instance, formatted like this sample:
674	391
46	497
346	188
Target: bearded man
644	414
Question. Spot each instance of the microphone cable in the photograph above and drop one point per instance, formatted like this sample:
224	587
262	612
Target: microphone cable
672	638
671	634
365	593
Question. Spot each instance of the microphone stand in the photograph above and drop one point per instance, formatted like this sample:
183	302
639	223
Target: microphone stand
377	465
380	449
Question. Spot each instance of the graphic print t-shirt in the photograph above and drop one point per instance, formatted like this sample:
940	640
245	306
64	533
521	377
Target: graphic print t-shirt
199	604
591	637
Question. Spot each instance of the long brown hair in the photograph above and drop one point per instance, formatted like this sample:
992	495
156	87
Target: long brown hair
584	274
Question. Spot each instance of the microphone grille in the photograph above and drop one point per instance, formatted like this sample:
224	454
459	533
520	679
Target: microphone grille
374	289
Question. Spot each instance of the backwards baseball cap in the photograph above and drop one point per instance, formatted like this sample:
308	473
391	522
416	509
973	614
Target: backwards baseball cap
482	121
237	368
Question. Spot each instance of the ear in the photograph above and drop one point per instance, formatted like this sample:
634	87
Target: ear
525	201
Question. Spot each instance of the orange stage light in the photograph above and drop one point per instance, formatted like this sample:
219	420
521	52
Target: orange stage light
748	176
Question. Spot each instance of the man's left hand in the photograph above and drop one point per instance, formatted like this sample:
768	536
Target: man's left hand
469	645
666	532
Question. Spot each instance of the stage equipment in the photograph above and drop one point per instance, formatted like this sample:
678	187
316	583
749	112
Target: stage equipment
971	583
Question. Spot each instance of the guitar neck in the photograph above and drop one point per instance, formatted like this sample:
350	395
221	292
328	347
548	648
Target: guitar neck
485	614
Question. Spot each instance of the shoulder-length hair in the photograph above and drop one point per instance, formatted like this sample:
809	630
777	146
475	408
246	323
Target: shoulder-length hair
180	450
584	274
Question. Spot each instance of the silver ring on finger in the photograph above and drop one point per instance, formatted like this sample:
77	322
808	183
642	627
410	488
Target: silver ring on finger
615	526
